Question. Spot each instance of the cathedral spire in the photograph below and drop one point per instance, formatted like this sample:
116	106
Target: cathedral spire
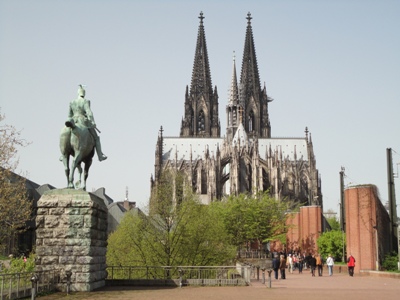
201	78
234	108
250	77
255	99
201	102
234	92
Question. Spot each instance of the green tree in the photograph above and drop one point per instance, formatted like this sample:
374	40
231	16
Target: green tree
176	232
332	242
332	220
15	208
250	218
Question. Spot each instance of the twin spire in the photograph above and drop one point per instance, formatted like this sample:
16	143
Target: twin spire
250	77
201	101
201	78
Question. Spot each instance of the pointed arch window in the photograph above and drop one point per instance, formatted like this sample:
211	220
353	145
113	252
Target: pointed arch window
234	121
203	182
251	121
192	119
201	121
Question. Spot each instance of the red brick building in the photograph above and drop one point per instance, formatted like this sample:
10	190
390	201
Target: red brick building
367	227
304	229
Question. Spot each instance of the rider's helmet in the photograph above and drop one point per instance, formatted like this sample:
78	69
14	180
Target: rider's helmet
81	91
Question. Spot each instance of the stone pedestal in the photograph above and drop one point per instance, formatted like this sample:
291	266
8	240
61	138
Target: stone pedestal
71	235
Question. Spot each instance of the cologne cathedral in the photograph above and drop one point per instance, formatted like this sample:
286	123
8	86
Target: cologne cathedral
246	159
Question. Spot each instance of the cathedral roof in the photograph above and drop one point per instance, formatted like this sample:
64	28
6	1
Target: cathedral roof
290	147
182	148
179	148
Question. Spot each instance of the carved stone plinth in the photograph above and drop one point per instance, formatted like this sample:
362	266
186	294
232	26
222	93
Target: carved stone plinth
71	235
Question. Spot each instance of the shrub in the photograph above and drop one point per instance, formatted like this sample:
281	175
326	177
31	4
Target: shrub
390	262
19	265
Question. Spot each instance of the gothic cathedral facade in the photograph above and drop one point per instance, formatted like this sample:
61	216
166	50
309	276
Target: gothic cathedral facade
247	159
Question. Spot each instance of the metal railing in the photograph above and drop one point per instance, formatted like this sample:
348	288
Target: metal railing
252	254
20	285
178	275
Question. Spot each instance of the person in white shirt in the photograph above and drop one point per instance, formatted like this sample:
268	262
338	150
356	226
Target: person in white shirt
330	262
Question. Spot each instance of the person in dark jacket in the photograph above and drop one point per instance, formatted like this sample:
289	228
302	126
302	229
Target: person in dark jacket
300	264
282	267
313	265
275	265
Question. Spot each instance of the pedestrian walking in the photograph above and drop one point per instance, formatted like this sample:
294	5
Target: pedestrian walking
275	265
300	264
282	267
351	263
319	264
330	262
313	265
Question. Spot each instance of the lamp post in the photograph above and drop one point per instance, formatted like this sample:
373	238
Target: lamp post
344	254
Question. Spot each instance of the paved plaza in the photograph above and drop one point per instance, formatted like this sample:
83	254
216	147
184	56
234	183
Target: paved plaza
295	286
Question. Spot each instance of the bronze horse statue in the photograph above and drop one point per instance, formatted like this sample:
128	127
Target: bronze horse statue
76	141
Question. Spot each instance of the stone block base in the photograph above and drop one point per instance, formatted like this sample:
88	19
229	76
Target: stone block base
71	235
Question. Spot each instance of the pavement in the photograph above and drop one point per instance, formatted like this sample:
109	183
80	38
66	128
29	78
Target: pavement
295	286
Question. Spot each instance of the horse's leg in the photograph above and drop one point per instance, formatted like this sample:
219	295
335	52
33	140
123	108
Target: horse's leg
65	160
88	163
78	183
72	171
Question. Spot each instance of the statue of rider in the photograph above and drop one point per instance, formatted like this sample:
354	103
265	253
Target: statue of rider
80	113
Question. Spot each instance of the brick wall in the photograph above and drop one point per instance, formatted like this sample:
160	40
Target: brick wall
367	227
310	227
304	229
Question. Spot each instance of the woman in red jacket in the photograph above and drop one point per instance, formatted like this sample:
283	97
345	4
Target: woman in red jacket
351	262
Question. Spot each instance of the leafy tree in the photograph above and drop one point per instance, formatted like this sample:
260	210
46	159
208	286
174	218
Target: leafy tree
253	218
176	232
332	242
333	221
15	208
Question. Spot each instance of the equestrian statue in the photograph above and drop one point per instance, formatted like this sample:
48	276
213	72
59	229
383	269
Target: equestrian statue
79	140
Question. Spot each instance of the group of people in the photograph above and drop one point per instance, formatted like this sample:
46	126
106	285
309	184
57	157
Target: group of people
293	261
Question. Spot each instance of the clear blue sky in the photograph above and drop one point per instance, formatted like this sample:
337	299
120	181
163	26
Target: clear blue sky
333	66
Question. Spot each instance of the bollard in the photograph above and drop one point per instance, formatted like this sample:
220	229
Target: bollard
269	278
263	275
180	277
68	274
258	273
34	280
